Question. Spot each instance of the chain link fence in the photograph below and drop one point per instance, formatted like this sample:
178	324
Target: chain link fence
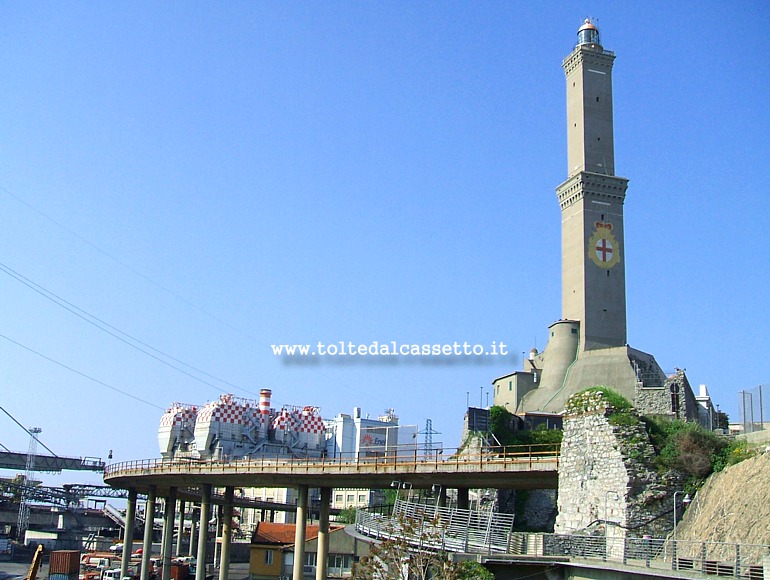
754	408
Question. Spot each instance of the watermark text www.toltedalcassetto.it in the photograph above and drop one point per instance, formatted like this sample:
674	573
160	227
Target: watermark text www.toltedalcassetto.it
389	349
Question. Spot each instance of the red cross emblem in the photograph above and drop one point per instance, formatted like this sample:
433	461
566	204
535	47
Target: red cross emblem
604	250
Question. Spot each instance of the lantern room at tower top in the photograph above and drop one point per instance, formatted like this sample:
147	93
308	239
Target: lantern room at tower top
588	33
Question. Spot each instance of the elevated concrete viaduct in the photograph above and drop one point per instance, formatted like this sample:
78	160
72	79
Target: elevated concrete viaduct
524	467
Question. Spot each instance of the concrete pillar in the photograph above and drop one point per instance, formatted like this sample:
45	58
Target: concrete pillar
160	503
323	534
203	533
128	536
227	532
299	534
463	501
180	533
149	518
193	528
168	532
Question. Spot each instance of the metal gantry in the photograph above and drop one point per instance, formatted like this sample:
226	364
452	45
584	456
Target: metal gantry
23	521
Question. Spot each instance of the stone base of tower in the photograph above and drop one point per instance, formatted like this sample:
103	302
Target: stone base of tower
609	367
551	377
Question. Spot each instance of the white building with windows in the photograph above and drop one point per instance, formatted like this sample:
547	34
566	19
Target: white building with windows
350	437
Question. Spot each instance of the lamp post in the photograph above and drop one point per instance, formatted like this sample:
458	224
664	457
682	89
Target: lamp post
399	485
408	486
685	500
436	489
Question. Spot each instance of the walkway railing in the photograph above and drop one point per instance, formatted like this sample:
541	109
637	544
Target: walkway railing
720	558
430	527
440	528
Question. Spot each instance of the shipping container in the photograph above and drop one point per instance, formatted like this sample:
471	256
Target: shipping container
180	572
64	562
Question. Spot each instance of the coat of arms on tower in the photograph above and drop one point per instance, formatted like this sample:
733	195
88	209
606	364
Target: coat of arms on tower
603	248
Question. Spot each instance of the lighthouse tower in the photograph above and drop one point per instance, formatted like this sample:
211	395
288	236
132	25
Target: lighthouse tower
587	346
591	200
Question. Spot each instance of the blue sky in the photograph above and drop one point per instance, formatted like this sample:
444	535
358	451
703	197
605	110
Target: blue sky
212	179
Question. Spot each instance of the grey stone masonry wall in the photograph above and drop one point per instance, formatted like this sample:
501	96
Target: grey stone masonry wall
607	482
674	398
653	400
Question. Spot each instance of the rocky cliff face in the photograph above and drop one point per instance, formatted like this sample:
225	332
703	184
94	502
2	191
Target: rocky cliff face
732	506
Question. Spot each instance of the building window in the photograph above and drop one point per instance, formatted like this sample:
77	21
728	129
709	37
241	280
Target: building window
340	562
351	498
311	558
574	330
338	498
268	557
510	385
361	499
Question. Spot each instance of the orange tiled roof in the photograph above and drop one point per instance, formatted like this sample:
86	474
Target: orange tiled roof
273	533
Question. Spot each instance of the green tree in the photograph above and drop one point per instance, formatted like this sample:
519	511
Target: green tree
347	515
501	423
470	570
723	421
411	554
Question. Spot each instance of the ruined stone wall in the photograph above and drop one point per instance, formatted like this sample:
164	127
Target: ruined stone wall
687	407
653	400
675	398
606	476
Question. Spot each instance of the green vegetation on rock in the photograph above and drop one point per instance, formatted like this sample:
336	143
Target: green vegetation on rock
618	409
692	449
681	446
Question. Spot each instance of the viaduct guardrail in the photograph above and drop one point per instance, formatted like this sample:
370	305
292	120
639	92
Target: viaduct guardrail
522	467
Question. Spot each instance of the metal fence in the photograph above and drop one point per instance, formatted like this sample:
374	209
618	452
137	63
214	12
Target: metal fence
432	527
719	558
440	528
754	408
